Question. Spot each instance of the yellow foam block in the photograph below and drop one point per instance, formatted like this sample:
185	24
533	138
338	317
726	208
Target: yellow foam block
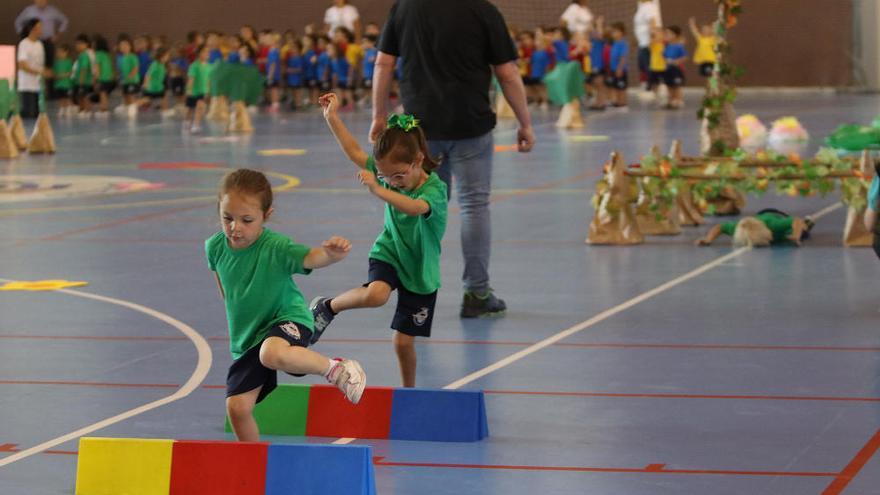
129	466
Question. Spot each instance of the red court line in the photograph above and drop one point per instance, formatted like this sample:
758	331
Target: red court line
123	221
489	392
684	396
650	469
743	347
88	384
855	465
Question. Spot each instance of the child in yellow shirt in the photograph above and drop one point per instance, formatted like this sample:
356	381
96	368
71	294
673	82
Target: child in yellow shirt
704	54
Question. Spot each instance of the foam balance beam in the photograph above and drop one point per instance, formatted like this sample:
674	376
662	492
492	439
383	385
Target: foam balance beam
395	413
168	467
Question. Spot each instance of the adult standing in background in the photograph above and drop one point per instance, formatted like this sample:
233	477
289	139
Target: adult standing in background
341	14
450	49
647	16
577	17
31	60
54	24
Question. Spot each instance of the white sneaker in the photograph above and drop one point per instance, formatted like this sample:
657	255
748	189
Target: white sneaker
349	377
102	114
132	110
169	113
84	115
120	110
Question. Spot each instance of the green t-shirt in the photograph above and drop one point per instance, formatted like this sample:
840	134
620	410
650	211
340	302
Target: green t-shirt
127	65
105	66
83	71
411	244
200	74
258	287
778	224
155	80
63	73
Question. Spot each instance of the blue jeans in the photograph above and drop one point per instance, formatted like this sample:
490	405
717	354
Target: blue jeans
470	162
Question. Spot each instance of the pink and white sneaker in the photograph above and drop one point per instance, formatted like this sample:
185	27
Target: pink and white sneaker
349	377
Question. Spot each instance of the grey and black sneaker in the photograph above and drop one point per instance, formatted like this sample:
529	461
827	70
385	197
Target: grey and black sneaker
323	316
476	306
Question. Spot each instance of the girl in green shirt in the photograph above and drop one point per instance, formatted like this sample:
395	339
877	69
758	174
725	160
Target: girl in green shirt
406	255
82	76
154	82
62	70
269	321
129	75
767	227
103	71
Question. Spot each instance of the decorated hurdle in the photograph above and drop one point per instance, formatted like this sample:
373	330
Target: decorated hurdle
135	466
673	190
382	413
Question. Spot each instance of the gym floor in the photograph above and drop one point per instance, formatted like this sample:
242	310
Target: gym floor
661	368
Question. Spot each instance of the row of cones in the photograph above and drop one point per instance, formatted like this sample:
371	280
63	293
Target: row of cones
13	141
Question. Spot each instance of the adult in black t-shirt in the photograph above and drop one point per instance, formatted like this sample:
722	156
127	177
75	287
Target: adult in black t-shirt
449	50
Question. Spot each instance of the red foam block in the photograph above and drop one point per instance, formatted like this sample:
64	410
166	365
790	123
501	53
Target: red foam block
218	468
332	415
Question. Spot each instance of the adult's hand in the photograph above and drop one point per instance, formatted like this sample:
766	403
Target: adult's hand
525	139
375	129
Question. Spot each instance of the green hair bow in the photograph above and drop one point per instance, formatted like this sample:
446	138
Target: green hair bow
403	122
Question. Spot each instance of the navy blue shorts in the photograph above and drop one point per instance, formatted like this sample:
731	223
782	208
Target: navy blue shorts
192	101
674	76
415	312
131	89
247	372
706	69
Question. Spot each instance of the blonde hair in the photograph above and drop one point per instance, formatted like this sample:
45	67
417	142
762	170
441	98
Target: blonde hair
752	232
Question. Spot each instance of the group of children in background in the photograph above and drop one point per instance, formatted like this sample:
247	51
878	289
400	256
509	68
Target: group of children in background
603	53
150	72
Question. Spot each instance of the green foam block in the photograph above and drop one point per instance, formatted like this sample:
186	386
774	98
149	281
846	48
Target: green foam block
283	412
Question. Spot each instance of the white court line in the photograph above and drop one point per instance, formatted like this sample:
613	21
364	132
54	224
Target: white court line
198	376
602	316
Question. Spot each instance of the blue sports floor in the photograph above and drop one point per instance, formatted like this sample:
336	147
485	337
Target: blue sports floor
684	370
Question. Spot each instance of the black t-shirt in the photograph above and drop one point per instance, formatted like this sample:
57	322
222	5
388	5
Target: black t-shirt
447	48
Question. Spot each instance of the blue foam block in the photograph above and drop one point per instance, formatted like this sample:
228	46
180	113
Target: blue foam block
438	415
320	469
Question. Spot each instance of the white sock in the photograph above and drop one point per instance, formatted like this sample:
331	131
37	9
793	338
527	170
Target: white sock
332	365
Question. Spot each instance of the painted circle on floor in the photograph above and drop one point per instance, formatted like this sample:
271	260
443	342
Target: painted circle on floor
16	188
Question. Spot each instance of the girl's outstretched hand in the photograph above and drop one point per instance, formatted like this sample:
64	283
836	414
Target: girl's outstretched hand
368	179
336	247
329	102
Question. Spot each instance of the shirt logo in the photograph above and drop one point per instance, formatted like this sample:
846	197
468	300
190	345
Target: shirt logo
291	330
421	317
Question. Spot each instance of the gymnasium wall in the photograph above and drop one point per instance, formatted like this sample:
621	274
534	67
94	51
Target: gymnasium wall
779	42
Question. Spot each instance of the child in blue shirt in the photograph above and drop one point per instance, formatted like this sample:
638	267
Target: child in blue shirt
369	64
295	73
142	49
340	71
675	55
322	65
617	80
234	43
541	61
561	36
596	78
310	79
273	72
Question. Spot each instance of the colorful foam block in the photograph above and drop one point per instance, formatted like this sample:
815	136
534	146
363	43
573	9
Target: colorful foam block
320	469
283	412
396	413
332	415
438	415
133	466
110	466
218	468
